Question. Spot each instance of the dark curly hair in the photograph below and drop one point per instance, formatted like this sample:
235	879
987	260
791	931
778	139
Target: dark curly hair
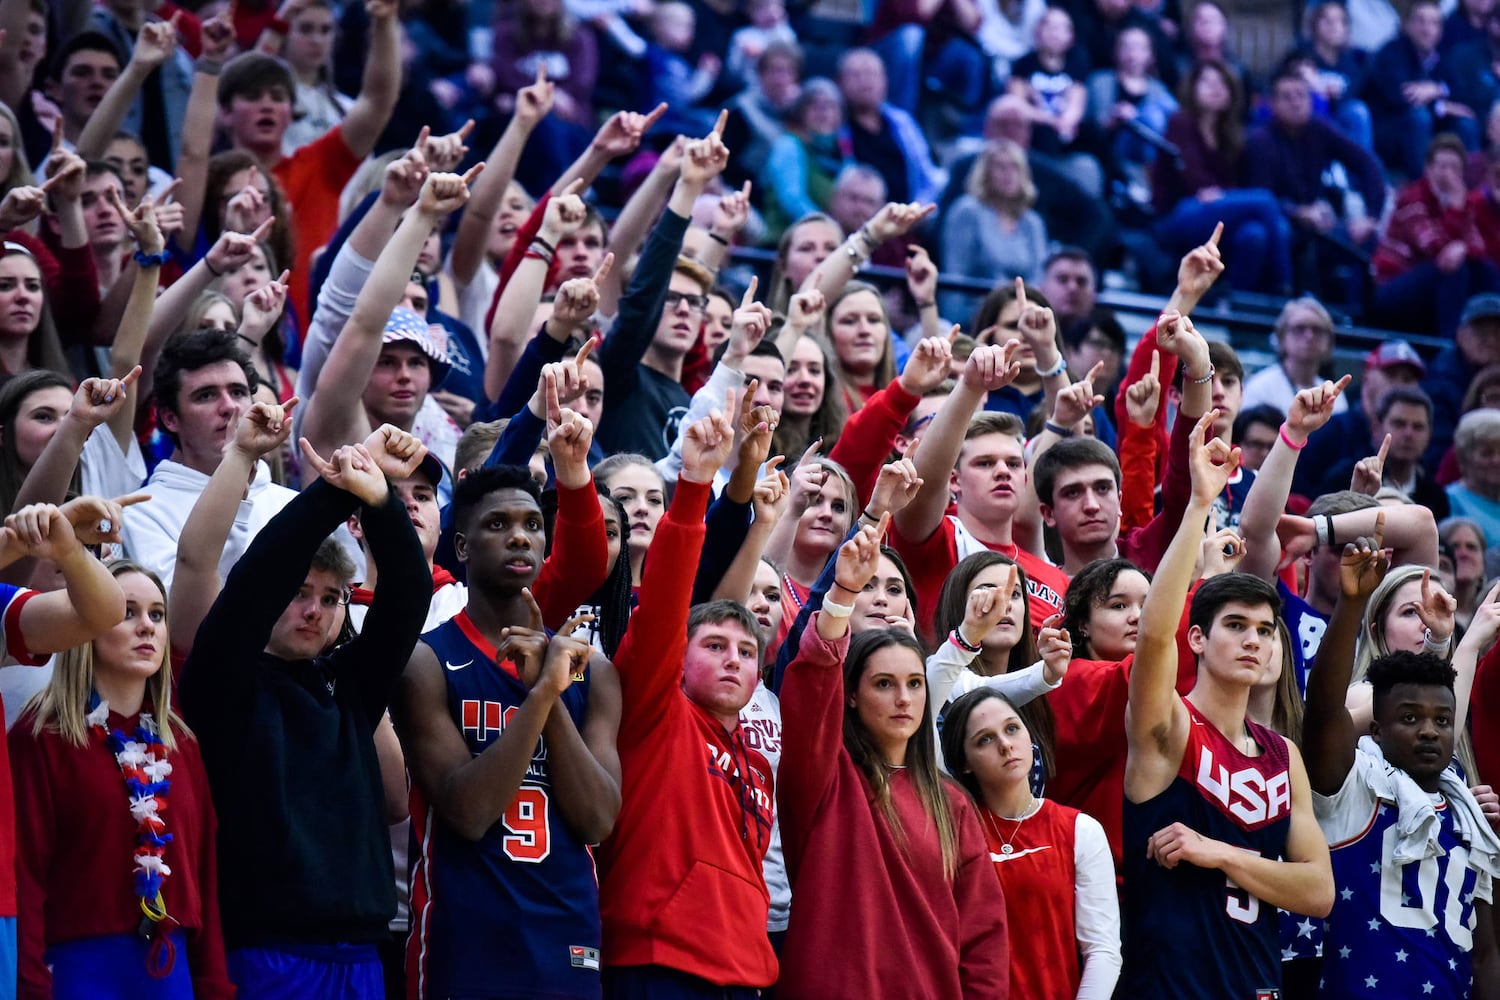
1406	667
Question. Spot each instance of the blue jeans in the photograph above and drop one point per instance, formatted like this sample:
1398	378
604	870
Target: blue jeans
1402	140
1257	240
1352	116
1411	300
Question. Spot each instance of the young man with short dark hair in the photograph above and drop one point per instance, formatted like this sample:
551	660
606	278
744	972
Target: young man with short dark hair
1078	488
1414	855
1219	827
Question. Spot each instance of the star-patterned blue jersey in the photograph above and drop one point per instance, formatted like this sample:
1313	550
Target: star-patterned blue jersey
1395	930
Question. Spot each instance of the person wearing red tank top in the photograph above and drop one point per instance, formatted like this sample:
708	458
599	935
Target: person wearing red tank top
1054	862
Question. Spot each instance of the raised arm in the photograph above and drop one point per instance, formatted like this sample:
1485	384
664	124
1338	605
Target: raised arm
196	140
521	295
768	498
1310	410
987	369
619	136
1155	720
635	219
154	45
381	83
533	103
195	582
90	601
1196	274
335	414
894	219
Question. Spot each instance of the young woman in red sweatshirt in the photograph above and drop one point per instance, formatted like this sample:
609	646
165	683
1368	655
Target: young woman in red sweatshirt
893	891
118	884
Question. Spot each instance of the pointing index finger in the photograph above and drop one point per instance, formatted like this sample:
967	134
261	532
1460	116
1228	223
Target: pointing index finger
131	500
748	298
718	125
1213	240
654	116
473	173
1020	293
264	229
1385	446
576	187
554	408
605	266
584	351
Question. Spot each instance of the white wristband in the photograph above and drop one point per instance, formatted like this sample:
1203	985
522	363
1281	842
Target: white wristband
833	609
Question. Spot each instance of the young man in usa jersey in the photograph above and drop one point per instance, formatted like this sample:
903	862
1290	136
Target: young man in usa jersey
1218	822
510	737
1413	855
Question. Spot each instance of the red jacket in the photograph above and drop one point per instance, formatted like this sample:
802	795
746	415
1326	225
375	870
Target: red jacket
681	884
869	434
579	562
874	915
75	839
1419	228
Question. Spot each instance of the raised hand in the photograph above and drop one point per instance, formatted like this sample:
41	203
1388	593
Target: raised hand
992	367
1201	267
1312	408
396	453
897	485
1485	625
1037	326
808	479
65	169
42	531
1176	335
404	177
141	223
921	276
622	134
772	494
578	298
707	443
534	101
1221	553
249	207
1055	647
1364	564
169	211
98	399
569	436
859	558
232	251
731	214
748	325
1369	472
565	212
216	38
930	364
704	159
805	311
263	429
97	521
568	379
22	204
1437	609
1078	400
756	425
1143	398
985	607
1212	463
156	43
896	219
263	307
350	468
445	193
445	152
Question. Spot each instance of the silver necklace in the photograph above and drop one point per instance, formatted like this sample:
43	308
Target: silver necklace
993	820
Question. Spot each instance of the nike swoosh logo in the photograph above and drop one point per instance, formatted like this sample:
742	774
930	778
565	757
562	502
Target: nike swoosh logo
997	856
458	666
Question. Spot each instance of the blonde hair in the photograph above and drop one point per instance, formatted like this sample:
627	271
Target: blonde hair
62	706
979	187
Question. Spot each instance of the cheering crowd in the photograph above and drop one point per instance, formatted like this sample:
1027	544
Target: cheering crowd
414	583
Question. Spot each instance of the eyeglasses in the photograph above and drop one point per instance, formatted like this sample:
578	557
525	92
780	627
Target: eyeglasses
695	303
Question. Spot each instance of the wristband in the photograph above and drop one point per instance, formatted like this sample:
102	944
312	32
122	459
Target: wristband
833	609
857	254
538	241
1288	441
1320	529
207	66
211	269
255	344
717	238
1328	530
1063	432
150	259
1205	379
957	638
873	519
1429	645
846	588
1057	369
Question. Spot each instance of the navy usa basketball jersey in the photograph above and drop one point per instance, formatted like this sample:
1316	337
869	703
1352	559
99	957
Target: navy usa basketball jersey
516	914
1192	932
1395	930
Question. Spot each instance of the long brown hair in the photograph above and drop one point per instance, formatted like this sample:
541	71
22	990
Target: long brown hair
921	749
225	165
885	368
13	396
953	602
1229	125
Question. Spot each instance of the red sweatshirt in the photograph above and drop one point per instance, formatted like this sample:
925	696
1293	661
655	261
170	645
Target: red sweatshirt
75	841
873	916
579	563
681	884
1089	709
869	434
1484	717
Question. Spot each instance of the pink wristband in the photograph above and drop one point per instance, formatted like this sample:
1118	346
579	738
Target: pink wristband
1288	441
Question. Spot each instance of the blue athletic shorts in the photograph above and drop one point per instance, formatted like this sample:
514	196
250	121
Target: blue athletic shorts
308	972
113	967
